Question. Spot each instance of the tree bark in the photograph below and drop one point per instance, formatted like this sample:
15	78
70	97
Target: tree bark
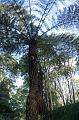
35	103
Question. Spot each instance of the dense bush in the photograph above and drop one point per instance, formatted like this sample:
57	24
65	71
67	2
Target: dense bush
69	112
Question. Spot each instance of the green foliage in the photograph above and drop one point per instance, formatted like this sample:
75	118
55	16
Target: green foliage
24	65
18	101
68	112
9	63
13	37
6	111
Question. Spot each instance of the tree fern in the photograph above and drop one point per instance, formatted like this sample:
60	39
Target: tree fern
40	14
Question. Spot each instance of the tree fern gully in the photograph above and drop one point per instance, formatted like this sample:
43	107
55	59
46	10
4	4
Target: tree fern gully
35	103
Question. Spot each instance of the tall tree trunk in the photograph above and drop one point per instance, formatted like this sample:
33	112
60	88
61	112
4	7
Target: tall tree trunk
35	104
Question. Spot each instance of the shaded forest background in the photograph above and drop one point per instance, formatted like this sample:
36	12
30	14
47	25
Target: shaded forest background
47	63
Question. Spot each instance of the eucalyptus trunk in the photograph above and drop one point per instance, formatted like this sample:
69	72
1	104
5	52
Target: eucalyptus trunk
35	103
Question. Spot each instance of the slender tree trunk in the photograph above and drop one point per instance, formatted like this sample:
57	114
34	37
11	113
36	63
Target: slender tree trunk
35	104
70	94
73	92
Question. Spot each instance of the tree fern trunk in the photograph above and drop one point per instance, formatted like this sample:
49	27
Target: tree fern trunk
35	104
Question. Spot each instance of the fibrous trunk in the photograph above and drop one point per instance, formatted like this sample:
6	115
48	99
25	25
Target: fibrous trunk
35	103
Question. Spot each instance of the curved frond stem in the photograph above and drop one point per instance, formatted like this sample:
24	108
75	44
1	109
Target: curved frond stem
11	27
30	13
43	15
43	18
21	18
31	24
52	3
19	32
50	29
54	26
